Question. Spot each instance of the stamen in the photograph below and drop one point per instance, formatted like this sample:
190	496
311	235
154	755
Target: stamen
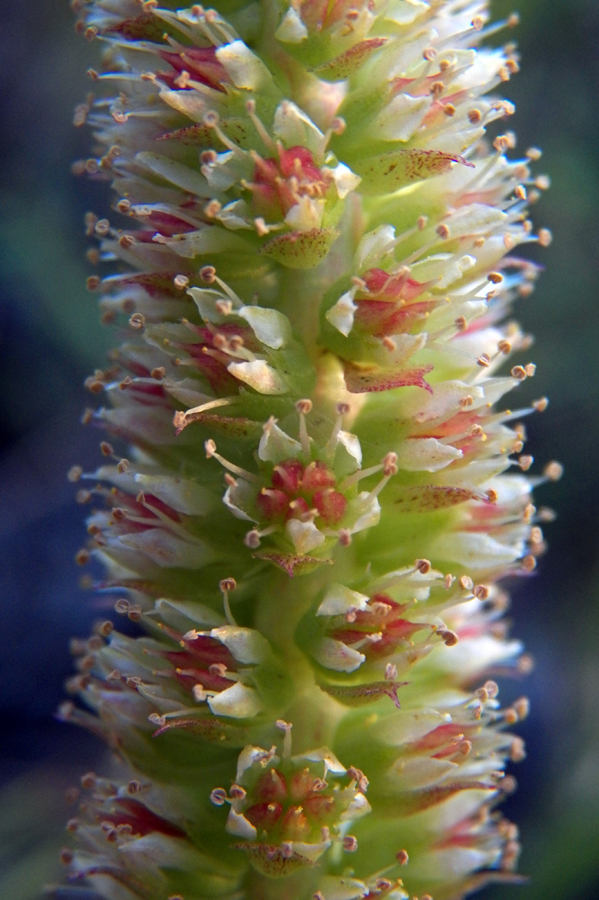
210	448
304	407
331	444
264	135
211	120
286	727
353	479
225	586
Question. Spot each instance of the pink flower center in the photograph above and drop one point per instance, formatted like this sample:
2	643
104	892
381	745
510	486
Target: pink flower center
292	807
297	490
279	184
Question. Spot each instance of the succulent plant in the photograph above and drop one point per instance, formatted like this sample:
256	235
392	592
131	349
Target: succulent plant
306	501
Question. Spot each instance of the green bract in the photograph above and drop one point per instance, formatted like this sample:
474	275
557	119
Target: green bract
306	504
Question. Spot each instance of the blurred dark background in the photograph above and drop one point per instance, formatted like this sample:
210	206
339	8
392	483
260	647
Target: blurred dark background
50	339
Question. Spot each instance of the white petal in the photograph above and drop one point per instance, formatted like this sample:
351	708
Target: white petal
182	176
295	128
401	117
304	535
407	12
239	498
420	772
240	826
312	852
337	656
306	214
191	103
167	550
244	68
186	391
180	494
370	515
345	179
237	702
291	30
341	315
406	345
276	446
270	327
457	862
259	375
211	239
248	756
339	600
477	218
333	888
373	246
222	172
445	398
351	442
426	455
247	645
357	808
476	551
236	215
206	300
194	612
323	754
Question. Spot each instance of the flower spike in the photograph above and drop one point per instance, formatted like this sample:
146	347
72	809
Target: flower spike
312	257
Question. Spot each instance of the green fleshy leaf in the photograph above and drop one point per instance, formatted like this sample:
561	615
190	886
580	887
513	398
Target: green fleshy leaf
390	171
350	61
363	694
301	249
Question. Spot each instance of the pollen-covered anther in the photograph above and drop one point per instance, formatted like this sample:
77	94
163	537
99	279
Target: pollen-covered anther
504	142
390	468
553	471
181	282
402	857
137	321
127	241
218	797
536	537
304	407
350	843
226	585
345	537
449	638
252	539
208	274
525	462
519	373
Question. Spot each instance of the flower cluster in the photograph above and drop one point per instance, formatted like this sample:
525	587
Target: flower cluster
305	502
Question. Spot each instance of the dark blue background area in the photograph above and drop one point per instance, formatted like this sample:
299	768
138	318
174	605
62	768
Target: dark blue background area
50	340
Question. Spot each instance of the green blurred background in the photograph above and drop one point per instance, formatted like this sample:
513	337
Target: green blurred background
50	339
